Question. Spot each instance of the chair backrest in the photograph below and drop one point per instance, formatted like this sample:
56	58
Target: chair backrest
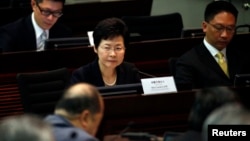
41	90
195	32
243	28
155	27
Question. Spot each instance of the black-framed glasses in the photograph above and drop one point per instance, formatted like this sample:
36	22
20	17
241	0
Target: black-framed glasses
220	28
46	12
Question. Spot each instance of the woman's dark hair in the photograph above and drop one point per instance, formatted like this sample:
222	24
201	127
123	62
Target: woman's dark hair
110	28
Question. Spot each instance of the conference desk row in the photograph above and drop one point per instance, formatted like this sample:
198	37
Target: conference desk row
149	113
146	55
149	56
155	113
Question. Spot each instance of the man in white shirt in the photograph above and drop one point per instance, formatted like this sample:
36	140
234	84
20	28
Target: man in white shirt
25	33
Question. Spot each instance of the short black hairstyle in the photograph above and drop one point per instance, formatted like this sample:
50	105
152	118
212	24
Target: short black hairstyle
75	105
109	28
216	7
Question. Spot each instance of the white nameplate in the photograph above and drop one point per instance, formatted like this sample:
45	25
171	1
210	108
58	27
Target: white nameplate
158	85
91	39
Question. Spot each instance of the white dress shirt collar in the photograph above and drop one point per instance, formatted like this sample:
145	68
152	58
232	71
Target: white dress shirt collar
213	51
38	29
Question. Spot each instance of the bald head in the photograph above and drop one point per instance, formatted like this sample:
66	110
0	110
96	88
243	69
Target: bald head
81	89
80	97
83	106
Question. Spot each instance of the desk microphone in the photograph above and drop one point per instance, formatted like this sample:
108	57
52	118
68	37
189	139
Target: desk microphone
123	131
146	74
127	127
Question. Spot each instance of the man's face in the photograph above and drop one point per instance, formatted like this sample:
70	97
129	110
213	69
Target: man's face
47	12
220	30
94	123
93	120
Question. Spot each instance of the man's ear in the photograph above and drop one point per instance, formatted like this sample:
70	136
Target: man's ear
33	3
204	26
84	117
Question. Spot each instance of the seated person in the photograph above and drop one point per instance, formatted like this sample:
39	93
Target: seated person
77	114
206	100
25	128
110	39
29	33
228	114
214	62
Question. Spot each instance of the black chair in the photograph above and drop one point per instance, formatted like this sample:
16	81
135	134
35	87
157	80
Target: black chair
41	90
172	68
243	28
154	27
196	32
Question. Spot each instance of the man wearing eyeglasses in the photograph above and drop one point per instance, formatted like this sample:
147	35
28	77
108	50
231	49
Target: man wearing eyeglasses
29	33
214	62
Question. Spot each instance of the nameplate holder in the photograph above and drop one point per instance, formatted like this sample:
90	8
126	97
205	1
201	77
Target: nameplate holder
158	85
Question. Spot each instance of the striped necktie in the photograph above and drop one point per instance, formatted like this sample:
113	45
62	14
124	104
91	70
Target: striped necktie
41	40
222	63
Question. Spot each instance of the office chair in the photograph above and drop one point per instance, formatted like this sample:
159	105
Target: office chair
154	27
242	28
41	90
195	32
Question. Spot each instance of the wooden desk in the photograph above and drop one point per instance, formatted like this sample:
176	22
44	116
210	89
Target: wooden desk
151	113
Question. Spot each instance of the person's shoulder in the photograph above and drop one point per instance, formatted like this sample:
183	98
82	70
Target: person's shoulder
191	52
86	67
15	24
81	135
71	133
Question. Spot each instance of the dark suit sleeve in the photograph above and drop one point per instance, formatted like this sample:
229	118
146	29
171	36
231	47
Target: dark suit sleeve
184	72
76	76
5	40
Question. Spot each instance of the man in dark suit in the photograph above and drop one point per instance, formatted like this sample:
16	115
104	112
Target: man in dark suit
25	33
206	101
202	65
78	114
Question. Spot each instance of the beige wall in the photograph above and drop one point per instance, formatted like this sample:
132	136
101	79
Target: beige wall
192	10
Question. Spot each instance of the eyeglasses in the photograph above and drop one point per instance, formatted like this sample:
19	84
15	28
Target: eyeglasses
220	28
115	49
46	13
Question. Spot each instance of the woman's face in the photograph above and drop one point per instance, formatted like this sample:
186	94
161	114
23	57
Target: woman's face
111	52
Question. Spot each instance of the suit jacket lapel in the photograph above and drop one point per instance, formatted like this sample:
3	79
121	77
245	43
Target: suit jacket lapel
30	36
209	60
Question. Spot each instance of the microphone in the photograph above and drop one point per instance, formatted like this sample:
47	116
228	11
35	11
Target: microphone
127	127
123	131
146	74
